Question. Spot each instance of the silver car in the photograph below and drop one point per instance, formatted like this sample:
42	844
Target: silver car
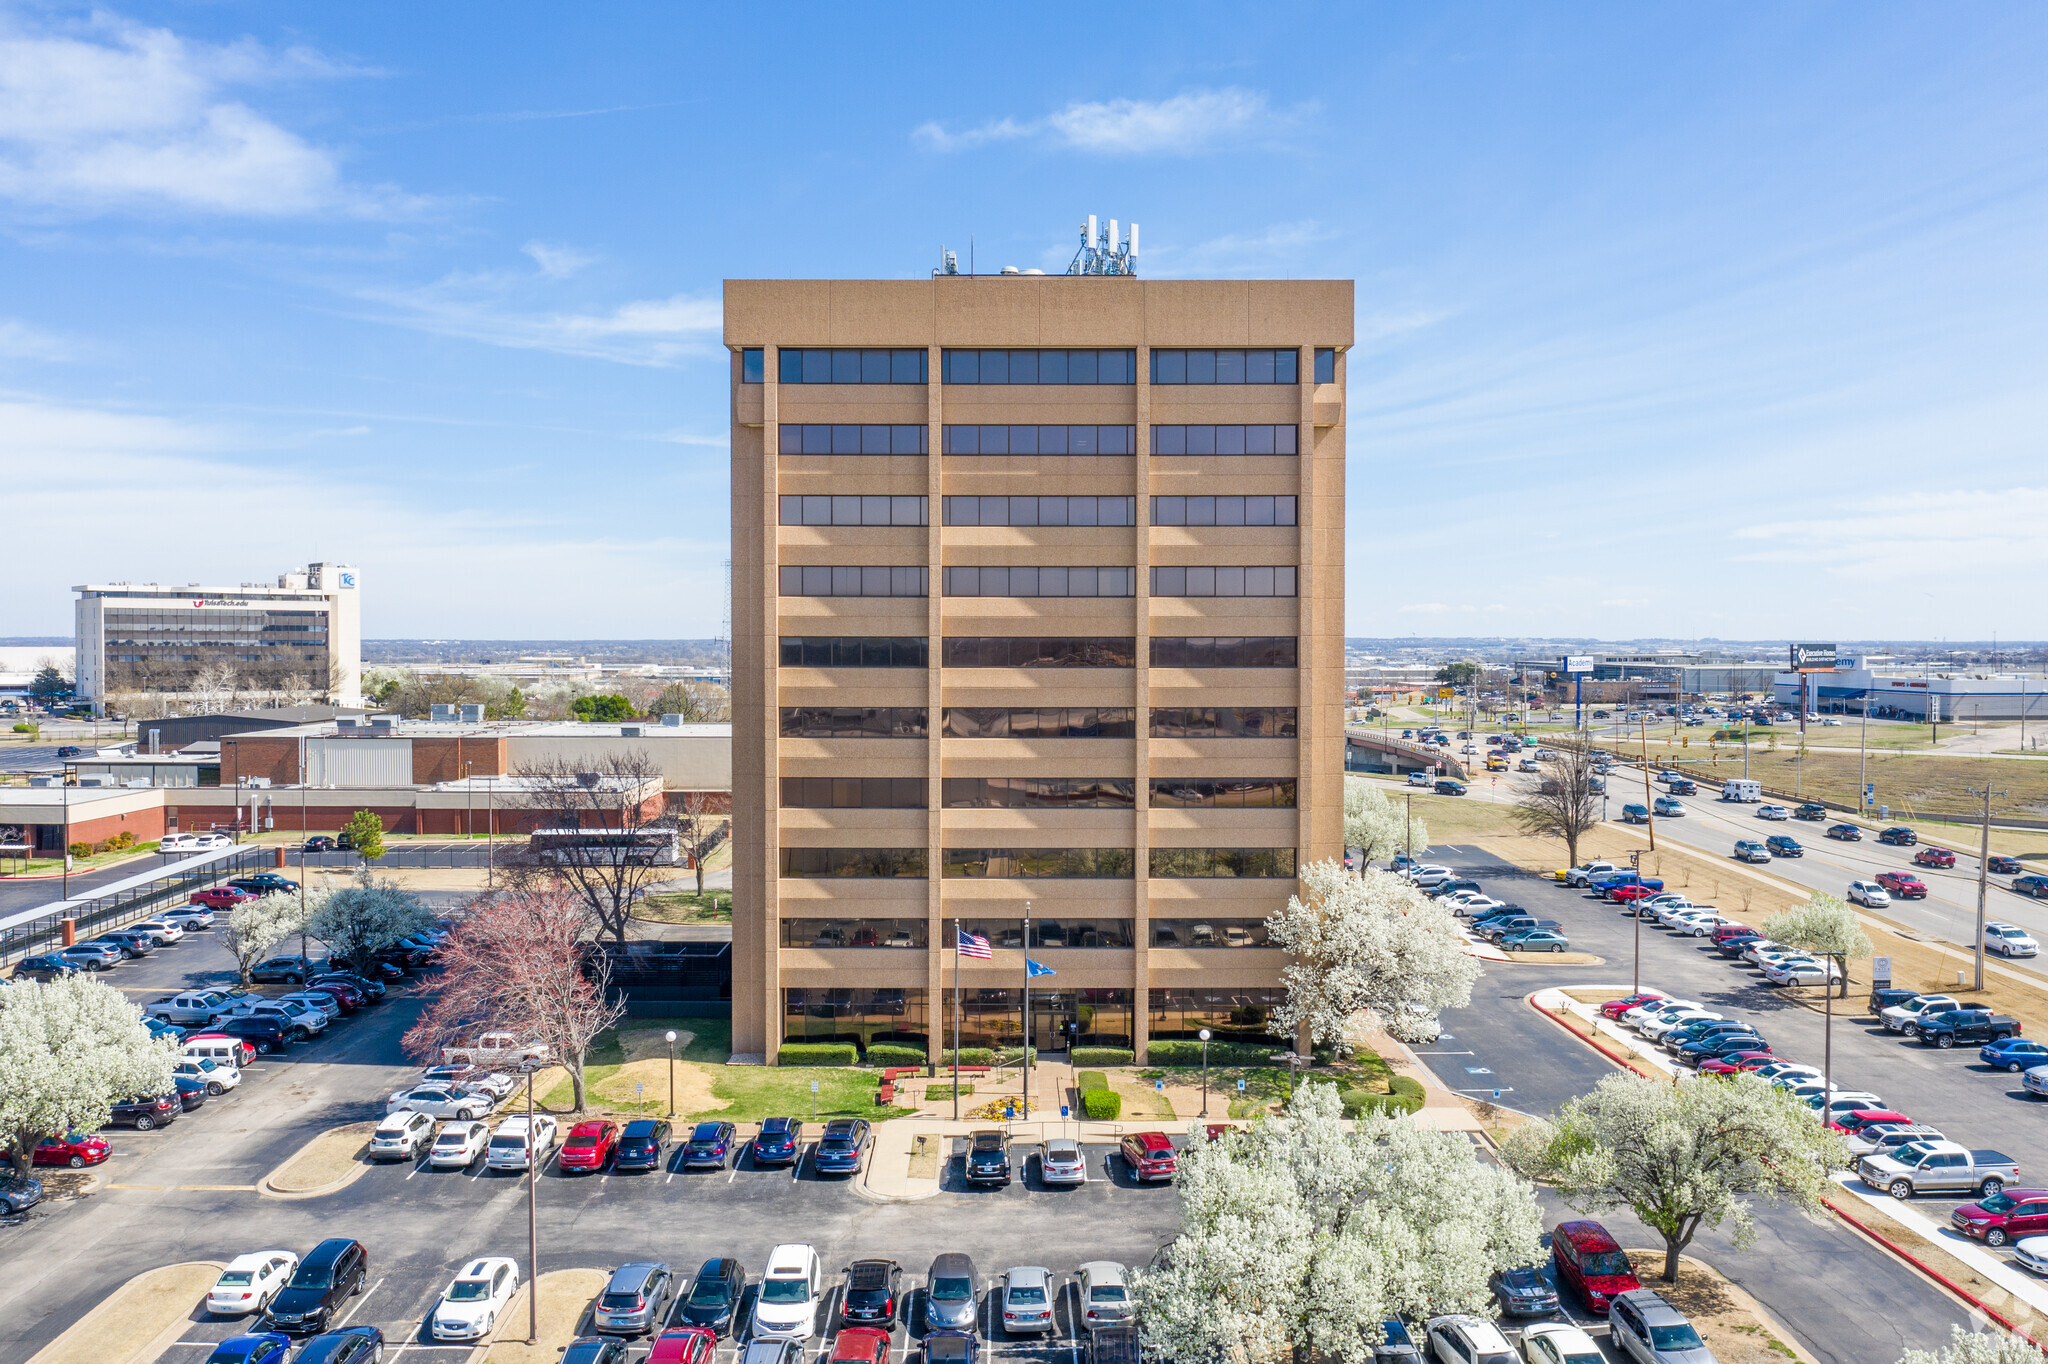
1060	1162
949	1297
1027	1300
632	1303
1105	1297
1650	1330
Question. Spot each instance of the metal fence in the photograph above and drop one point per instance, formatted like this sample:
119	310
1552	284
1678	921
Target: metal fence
135	901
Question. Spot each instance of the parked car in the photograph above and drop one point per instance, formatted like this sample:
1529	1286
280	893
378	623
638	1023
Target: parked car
1102	1289
19	1194
263	883
441	1101
249	1282
791	1287
471	1302
633	1301
1869	894
1524	1292
589	1145
1461	1337
1027	1300
332	1272
1592	1263
595	1350
1535	940
373	991
1897	1017
2009	940
263	1033
130	944
1615	1008
475	1079
405	1134
267	1347
710	1146
48	966
349	1345
988	1158
641	1144
1845	833
142	1114
1547	1342
219	898
1946	1029
2013	1054
1149	1156
1061	1161
281	970
842	1147
950	1293
954	1347
513	1145
163	931
780	1141
458	1145
714	1296
870	1294
1887	1136
1646	1328
1937	1167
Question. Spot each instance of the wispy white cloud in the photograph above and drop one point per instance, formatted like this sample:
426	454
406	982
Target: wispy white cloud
112	115
1625	602
1275	249
557	262
1910	536
1189	122
21	341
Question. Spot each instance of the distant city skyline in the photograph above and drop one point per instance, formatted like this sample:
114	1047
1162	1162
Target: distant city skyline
1673	323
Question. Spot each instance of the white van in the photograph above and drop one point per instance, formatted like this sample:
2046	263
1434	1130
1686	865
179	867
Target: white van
221	1050
1738	789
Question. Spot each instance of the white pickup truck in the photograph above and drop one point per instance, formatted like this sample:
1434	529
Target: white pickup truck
495	1051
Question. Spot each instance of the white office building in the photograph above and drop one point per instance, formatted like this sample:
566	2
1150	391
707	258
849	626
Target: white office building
304	634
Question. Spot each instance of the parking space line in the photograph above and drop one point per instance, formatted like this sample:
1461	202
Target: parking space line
359	1303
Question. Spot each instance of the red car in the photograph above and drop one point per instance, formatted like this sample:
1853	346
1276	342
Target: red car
1903	885
76	1150
1149	1156
2005	1216
1736	1061
590	1146
1850	1123
1726	930
1615	1008
2001	865
1592	1262
346	999
689	1345
858	1345
1622	895
1934	857
220	897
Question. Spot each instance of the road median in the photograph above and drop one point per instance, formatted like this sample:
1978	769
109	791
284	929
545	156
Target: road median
137	1321
327	1164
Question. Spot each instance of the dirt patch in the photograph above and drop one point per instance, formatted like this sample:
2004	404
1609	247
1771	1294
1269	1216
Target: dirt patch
565	1296
137	1320
1140	1099
1555	958
640	1044
693	1087
924	1157
1728	1319
325	1162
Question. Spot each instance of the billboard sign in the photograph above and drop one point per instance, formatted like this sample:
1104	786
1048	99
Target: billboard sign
1446	693
1813	658
1578	663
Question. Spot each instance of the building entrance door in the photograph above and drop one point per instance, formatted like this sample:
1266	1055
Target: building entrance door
1052	1018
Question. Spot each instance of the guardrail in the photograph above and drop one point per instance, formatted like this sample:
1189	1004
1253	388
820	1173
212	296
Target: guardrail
42	928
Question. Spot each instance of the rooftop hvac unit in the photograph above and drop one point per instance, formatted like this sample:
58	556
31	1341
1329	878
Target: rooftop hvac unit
672	720
443	713
472	715
43	781
629	731
383	722
256	783
94	779
346	722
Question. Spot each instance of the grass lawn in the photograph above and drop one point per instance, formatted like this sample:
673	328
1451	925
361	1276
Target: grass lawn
687	907
50	866
932	1092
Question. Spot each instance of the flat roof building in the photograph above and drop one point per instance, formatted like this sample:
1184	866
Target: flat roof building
1038	605
303	635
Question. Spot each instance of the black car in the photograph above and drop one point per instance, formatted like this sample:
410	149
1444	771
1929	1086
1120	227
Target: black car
595	1350
1733	947
988	1158
1880	1000
331	1273
263	883
1720	1044
780	1141
1899	836
840	1150
319	843
143	1114
713	1297
1813	809
871	1289
1525	1292
640	1145
1446	786
350	1345
2036	886
372	991
191	1091
1451	886
264	1034
49	966
281	970
1781	845
19	1195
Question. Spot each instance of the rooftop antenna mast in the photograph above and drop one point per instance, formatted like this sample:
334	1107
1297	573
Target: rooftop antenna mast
1100	255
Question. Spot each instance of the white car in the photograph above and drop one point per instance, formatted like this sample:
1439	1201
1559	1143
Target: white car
1643	1013
189	917
1477	905
441	1101
250	1282
320	1003
1551	1342
1668	898
2031	1253
165	930
1666	1021
1468	1340
1899	1017
1754	953
1430	875
1868	893
470	1304
1773	812
458	1145
1788	1070
511	1144
2009	940
1803	973
1696	923
217	1076
1669	914
403	1135
787	1306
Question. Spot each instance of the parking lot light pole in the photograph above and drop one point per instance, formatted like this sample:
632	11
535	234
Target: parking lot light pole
671	1072
532	1218
1204	1035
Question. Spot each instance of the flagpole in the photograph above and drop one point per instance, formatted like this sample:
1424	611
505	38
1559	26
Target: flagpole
956	1020
1026	1063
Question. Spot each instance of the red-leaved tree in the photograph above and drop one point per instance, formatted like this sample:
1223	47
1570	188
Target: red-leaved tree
521	963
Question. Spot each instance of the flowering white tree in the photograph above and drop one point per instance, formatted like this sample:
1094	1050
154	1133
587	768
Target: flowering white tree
68	1049
1824	924
1977	1347
357	920
1375	826
255	926
1681	1157
1301	1237
1366	942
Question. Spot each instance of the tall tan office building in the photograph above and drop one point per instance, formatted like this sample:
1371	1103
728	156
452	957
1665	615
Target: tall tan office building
1038	607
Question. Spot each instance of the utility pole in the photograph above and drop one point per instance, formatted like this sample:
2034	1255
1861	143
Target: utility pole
1983	868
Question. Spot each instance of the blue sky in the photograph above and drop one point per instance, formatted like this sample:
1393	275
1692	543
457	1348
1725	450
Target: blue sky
1672	320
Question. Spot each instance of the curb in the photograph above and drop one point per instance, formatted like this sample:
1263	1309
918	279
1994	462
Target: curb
163	1339
1626	1063
1910	1258
356	1171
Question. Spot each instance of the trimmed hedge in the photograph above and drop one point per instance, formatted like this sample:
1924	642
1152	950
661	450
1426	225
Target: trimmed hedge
1102	1056
1007	1056
969	1056
1407	1088
1181	1051
1086	1080
1102	1105
818	1054
1406	1098
895	1054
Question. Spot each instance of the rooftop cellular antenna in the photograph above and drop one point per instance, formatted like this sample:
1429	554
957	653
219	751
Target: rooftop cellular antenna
1100	255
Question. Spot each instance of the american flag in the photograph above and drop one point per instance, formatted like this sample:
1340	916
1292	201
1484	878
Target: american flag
972	946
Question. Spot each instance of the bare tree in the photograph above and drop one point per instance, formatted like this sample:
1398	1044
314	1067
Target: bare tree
214	686
1563	804
521	962
696	805
610	795
696	702
296	691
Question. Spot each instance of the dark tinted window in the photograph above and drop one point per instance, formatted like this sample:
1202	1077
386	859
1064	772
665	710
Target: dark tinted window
1039	793
854	651
1018	580
1223	793
853	793
1229	510
852	580
1040	722
1039	367
1002	863
1223	580
866	862
815	438
853	722
831	933
1040	440
1225	366
1226	440
1008	651
1223	651
820	509
1040	511
1223	862
852	366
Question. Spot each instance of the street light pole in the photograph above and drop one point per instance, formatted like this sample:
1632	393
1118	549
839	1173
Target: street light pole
1204	1035
671	1072
532	1219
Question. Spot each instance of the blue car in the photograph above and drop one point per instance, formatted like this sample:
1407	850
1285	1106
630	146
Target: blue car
1535	940
709	1147
839	1151
2013	1054
780	1141
267	1348
350	1345
951	1347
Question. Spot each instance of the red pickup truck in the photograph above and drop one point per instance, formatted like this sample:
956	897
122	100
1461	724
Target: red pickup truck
1902	885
